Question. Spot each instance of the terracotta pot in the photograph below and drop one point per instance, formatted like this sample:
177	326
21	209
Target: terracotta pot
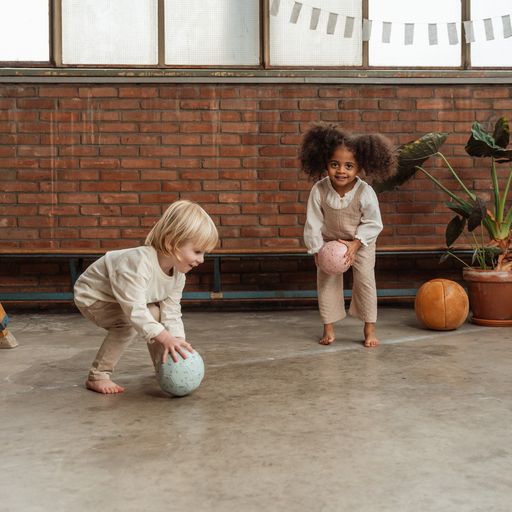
490	296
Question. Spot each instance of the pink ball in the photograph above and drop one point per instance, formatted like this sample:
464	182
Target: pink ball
331	258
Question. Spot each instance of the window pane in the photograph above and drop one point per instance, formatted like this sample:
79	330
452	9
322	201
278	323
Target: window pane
421	52
212	32
296	44
109	32
496	52
24	31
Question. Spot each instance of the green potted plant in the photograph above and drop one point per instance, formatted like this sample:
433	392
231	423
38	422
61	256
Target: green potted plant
488	224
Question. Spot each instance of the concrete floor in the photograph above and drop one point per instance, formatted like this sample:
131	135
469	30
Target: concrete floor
280	423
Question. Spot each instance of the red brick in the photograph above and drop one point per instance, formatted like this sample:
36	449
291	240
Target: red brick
83	198
221	139
97	92
159	151
100	233
102	186
259	208
136	163
118	221
117	127
181	139
142	91
78	221
239	220
198	104
187	185
58	210
142	210
152	174
260	185
122	198
100	210
242	197
99	163
59	186
17	210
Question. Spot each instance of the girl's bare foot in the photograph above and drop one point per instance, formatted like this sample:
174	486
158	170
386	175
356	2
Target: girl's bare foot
328	335
106	386
370	338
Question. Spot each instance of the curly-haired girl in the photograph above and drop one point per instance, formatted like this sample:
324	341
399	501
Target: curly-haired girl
343	207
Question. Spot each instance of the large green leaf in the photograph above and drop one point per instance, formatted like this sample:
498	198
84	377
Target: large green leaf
477	214
464	210
501	133
454	229
474	213
483	144
409	157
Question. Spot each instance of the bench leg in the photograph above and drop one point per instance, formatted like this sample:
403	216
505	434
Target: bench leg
7	340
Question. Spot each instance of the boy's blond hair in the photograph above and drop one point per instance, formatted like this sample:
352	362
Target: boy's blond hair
184	221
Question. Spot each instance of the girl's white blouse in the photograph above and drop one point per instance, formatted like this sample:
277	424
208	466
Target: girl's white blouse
371	221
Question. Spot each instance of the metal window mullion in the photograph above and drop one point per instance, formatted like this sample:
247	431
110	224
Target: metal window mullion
366	45
161	33
264	34
56	32
465	47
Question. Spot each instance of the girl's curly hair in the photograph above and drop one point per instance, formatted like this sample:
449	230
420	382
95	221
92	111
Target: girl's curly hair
374	153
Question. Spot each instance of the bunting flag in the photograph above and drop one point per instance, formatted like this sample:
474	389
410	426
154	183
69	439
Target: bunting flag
367	30
469	33
386	31
274	8
489	30
507	28
331	22
453	37
408	34
349	23
315	16
349	27
432	34
297	6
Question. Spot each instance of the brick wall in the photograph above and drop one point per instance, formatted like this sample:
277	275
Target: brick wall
95	165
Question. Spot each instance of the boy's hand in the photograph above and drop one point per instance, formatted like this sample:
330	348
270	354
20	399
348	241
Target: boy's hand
173	346
352	248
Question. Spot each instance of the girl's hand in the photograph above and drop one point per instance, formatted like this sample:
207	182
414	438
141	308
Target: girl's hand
352	248
173	346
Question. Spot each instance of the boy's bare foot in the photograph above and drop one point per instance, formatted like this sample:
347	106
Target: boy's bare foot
370	338
328	335
106	386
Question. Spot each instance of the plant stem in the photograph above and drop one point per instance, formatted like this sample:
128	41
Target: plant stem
456	176
457	258
503	201
442	187
496	192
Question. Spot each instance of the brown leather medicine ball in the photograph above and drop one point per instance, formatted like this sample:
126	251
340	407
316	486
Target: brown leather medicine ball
441	305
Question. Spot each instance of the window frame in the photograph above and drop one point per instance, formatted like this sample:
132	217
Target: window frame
55	52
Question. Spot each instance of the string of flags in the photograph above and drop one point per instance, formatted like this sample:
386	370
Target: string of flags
349	24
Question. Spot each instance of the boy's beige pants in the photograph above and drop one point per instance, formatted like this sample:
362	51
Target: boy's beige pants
110	316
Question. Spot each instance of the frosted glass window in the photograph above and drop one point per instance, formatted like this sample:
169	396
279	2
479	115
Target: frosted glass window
294	41
212	32
495	52
24	31
109	32
420	52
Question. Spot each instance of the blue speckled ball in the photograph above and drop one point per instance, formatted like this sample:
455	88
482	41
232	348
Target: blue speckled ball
183	377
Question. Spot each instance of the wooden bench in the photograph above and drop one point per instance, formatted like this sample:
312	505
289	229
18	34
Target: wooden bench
76	258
